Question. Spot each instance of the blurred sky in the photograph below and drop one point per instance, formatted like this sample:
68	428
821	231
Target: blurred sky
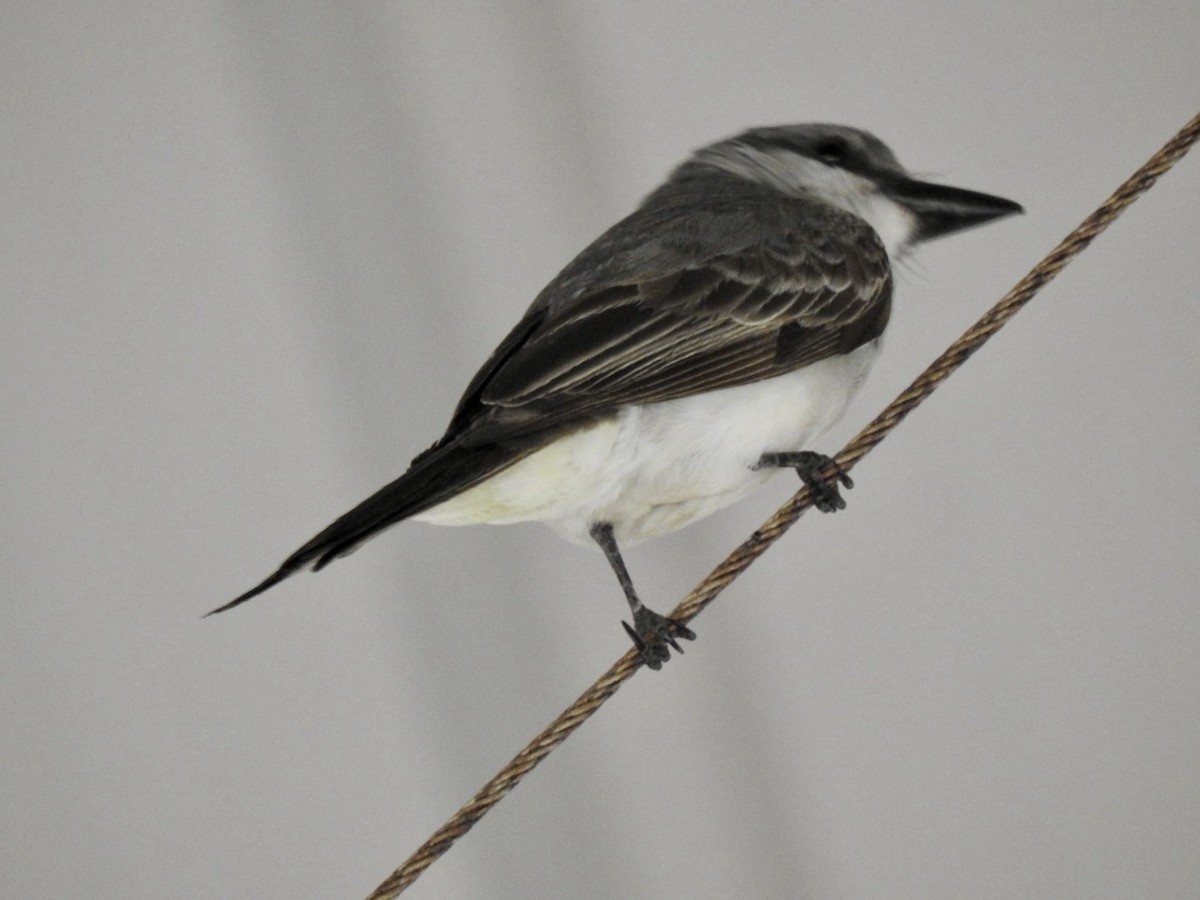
252	253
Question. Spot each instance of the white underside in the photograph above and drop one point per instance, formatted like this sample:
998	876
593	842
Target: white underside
650	470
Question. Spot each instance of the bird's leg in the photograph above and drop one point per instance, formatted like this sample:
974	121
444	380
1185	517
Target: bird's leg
820	473
651	633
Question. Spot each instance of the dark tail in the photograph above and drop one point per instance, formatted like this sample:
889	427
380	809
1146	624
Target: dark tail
434	476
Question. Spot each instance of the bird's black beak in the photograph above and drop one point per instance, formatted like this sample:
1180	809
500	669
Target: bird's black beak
942	210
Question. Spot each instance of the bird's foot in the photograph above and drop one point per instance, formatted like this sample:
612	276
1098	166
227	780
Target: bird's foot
655	636
812	468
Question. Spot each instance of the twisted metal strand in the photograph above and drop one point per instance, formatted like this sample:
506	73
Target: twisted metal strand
788	514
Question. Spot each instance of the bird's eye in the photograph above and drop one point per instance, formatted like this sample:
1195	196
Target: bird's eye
833	150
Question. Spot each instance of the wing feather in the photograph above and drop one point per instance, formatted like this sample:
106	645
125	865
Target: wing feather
666	318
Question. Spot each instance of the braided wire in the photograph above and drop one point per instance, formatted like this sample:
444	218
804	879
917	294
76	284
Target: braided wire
788	514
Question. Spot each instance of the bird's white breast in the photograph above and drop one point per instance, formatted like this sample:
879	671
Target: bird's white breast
652	469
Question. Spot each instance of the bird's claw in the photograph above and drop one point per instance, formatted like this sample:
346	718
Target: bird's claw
655	636
824	489
811	467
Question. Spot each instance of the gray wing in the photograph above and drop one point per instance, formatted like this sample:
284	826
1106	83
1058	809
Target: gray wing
657	310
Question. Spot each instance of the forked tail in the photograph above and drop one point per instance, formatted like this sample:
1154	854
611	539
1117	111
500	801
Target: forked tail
434	476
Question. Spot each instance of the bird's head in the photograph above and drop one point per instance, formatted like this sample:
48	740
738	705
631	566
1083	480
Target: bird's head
854	171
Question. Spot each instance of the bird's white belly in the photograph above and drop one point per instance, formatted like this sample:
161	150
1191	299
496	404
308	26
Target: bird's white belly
652	469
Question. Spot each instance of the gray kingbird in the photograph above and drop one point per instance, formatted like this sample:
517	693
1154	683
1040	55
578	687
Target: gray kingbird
691	351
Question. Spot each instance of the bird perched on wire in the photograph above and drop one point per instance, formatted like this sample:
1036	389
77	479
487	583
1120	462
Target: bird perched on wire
694	349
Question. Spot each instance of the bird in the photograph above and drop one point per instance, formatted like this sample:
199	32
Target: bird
692	351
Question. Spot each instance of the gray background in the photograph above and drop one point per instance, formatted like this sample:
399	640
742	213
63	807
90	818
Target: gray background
251	254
